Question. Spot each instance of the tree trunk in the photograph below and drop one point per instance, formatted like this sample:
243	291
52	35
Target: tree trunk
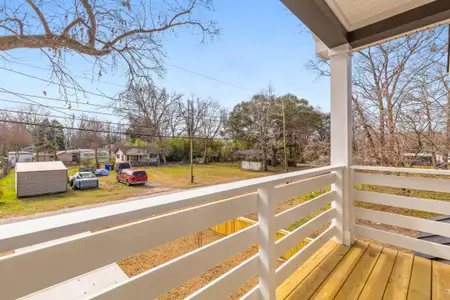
264	160
163	149
382	135
205	152
366	128
447	131
97	165
274	157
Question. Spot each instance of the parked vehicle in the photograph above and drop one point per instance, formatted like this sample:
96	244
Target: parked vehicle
83	181
102	172
132	177
122	166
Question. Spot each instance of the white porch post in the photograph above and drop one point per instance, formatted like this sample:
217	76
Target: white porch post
341	139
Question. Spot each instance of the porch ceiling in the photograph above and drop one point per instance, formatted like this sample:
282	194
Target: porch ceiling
364	22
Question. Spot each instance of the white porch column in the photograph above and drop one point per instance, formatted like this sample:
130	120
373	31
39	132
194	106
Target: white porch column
341	139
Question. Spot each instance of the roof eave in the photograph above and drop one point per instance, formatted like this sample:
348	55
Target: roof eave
325	25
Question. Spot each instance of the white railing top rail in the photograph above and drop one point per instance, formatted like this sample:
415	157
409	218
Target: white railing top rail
24	233
401	170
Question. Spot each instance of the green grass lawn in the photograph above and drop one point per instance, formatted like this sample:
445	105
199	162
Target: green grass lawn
178	176
172	177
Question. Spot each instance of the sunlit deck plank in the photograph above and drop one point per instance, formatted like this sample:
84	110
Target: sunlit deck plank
355	282
397	288
331	286
441	281
301	273
378	280
420	284
307	288
368	272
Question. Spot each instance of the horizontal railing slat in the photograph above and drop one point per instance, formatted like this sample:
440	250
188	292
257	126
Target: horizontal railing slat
162	279
410	243
26	233
222	287
416	183
253	294
402	170
300	257
418	224
302	232
434	206
291	215
292	190
47	266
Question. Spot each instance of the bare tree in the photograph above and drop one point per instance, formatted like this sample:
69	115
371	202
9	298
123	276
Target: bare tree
150	112
212	123
109	31
387	81
194	116
90	135
252	121
13	137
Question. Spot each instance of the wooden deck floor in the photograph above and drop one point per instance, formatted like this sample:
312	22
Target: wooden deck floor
367	271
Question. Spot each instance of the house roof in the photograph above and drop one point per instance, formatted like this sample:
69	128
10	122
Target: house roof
40	166
249	152
429	237
18	152
360	23
137	150
63	152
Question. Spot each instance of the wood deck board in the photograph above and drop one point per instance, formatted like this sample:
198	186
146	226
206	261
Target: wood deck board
397	288
367	272
420	284
333	283
378	280
301	273
307	288
354	284
441	281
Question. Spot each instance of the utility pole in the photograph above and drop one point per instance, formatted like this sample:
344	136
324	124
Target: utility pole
284	135
190	129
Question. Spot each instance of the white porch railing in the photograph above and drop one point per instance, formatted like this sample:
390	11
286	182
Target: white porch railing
35	269
399	180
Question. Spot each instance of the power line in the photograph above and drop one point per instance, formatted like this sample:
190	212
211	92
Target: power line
37	103
63	118
207	77
125	86
60	100
204	117
66	108
102	131
77	76
85	111
72	118
60	84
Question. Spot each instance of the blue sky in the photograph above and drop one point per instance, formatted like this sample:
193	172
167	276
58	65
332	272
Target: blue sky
261	42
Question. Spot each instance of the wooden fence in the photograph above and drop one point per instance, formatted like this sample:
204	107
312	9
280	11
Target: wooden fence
238	224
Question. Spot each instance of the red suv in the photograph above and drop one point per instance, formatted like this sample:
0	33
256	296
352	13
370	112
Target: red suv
131	177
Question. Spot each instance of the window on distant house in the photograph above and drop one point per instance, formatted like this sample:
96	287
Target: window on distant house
118	156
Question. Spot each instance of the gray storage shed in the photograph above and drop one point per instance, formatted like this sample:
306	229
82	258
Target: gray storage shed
39	178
